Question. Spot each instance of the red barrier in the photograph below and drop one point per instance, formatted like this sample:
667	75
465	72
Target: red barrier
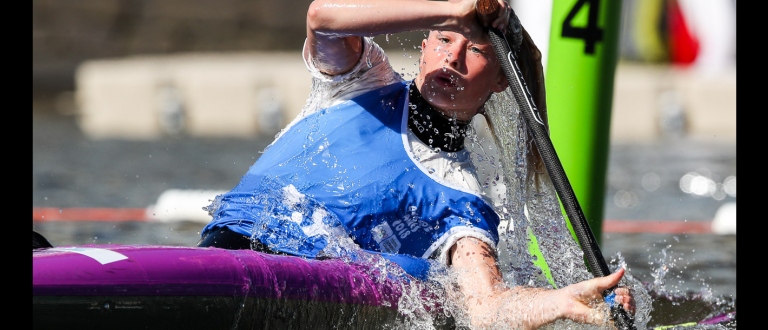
47	214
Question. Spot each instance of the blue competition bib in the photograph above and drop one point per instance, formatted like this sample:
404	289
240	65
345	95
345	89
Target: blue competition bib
346	171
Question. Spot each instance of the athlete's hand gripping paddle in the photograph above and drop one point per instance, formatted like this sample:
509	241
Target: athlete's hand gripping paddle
507	47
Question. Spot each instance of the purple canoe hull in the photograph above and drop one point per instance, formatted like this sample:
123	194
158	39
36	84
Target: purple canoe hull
138	286
166	287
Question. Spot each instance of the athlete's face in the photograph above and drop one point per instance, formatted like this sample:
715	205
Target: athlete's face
457	75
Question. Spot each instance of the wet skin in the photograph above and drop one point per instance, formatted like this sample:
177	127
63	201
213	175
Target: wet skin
457	75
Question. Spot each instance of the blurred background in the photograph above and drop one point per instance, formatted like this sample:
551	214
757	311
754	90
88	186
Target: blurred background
144	110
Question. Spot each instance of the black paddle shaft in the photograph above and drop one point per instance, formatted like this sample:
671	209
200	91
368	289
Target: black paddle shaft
536	126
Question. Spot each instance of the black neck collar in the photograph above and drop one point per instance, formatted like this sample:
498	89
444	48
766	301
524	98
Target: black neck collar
431	126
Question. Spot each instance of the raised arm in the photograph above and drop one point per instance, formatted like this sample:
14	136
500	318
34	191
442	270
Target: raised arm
490	303
335	27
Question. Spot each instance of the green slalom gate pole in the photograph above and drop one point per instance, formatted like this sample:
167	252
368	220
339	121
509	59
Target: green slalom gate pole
581	65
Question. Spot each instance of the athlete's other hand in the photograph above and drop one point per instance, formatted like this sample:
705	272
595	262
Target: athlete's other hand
583	302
